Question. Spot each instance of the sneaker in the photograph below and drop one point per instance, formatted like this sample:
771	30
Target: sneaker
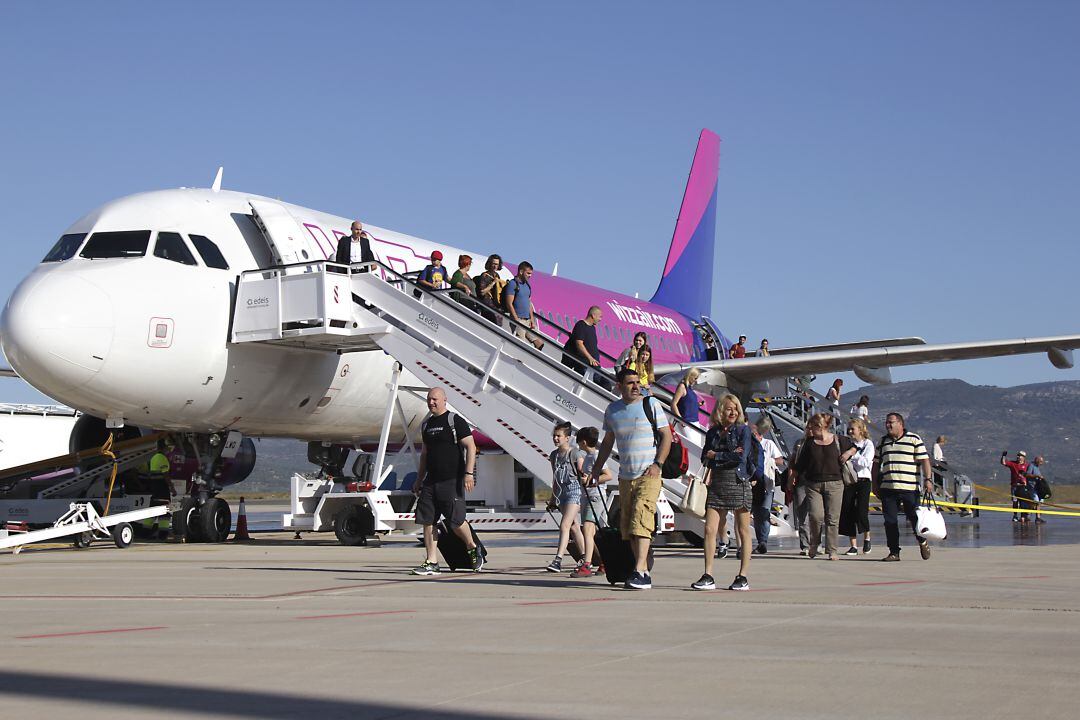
427	568
802	551
555	565
740	583
866	546
852	550
637	581
891	558
1016	519
1040	521
583	570
705	582
721	550
761	549
924	550
476	557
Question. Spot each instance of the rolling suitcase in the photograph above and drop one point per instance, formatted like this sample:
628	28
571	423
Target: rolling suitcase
617	557
453	549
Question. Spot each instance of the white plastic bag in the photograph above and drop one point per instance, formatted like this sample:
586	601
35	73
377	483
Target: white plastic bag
929	522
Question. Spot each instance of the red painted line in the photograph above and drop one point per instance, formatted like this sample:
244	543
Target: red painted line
893	582
356	614
565	602
294	593
89	632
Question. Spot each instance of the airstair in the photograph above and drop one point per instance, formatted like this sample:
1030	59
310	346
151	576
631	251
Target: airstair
40	492
510	390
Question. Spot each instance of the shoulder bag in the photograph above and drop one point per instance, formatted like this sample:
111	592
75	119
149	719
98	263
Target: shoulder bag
847	469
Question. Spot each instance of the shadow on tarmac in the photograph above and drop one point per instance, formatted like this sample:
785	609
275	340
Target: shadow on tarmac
162	699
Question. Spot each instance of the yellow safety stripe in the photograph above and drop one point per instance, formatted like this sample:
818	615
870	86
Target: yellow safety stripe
999	508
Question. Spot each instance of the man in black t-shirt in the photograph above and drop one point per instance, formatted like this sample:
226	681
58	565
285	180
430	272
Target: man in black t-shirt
582	349
443	475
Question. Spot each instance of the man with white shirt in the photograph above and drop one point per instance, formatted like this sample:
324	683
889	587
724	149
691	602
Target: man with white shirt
763	490
355	248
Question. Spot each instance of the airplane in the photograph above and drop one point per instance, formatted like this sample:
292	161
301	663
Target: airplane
127	319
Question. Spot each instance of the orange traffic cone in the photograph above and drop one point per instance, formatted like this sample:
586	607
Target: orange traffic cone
241	534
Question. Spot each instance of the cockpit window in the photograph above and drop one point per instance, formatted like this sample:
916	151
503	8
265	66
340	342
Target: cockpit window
65	247
209	252
170	246
122	244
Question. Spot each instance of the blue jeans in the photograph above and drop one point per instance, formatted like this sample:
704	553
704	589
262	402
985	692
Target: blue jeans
762	511
891	503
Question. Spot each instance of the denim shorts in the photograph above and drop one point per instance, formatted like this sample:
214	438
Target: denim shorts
571	494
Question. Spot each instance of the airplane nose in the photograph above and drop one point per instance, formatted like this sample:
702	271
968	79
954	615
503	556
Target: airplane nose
56	330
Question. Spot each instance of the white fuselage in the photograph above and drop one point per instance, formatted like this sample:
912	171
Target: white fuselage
145	338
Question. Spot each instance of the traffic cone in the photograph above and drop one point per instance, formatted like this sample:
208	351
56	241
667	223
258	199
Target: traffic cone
241	534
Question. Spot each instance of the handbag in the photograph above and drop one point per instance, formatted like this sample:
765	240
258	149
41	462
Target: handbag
929	522
847	470
693	500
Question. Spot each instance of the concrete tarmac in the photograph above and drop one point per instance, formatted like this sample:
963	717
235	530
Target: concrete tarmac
278	628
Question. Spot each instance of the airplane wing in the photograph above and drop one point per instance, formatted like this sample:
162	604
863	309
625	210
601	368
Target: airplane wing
7	372
871	364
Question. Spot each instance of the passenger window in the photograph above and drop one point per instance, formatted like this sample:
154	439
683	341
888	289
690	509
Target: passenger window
65	247
209	252
122	244
170	246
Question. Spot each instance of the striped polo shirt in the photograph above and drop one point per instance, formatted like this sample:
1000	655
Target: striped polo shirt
634	435
900	460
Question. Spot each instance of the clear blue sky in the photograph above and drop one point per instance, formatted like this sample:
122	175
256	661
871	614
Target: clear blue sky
887	169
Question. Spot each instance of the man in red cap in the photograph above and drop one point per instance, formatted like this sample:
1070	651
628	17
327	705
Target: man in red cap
433	277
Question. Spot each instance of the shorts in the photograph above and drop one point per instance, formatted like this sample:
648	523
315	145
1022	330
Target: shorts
592	509
637	502
568	494
527	335
440	500
725	492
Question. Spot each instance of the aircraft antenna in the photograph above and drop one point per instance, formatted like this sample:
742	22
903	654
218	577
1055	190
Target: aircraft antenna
217	179
555	270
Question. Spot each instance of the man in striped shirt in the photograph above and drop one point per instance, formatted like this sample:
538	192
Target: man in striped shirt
900	455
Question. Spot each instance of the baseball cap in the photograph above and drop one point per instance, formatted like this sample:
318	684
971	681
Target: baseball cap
436	255
1022	453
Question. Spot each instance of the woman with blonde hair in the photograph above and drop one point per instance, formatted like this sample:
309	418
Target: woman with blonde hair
819	471
643	366
727	451
855	511
684	403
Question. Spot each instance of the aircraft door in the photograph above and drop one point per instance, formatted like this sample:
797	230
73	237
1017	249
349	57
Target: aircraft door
288	241
715	343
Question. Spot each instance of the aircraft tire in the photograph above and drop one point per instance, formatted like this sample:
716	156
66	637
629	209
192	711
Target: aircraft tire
353	524
123	534
216	520
186	521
